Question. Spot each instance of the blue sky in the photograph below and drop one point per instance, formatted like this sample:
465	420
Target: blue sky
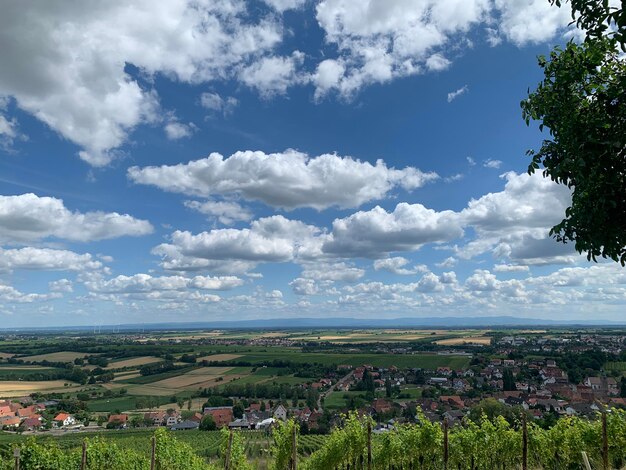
193	161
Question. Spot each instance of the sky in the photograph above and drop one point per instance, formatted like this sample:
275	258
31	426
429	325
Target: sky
184	161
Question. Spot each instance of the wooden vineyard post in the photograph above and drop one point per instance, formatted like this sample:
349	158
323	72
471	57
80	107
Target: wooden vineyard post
369	445
524	443
294	449
16	454
227	456
445	443
83	460
153	454
605	443
586	460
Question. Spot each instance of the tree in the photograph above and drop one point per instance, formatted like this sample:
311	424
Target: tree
238	410
581	101
508	380
622	392
388	389
207	423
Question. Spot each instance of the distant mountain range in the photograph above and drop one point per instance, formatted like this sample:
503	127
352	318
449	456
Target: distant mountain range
296	323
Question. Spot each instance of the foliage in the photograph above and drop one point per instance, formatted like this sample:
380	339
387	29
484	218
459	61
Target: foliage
581	103
207	423
282	446
237	454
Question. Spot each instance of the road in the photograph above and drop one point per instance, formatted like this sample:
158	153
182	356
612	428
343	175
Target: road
334	388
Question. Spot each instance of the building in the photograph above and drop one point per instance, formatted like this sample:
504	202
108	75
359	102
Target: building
280	413
64	419
119	420
222	415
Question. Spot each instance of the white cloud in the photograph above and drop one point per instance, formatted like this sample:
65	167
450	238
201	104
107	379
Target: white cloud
470	161
272	75
175	130
29	217
46	259
303	286
285	180
215	102
325	271
377	232
145	283
455	94
515	222
11	295
447	263
397	265
71	75
510	268
283	5
227	212
270	239
490	163
530	21
61	285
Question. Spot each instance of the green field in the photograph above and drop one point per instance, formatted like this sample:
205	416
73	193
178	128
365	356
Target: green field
423	361
618	366
205	443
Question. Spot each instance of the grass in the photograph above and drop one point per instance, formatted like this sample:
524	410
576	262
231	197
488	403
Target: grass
125	403
424	361
148	379
618	366
61	356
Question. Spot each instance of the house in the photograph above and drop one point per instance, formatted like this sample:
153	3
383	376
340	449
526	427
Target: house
196	417
64	419
10	421
5	410
222	415
172	419
156	417
594	382
453	400
280	413
239	423
31	424
380	405
118	420
185	425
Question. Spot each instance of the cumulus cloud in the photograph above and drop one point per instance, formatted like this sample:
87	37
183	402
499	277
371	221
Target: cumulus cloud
215	102
455	94
28	217
377	232
72	74
145	283
61	285
12	295
328	271
227	212
490	163
378	41
283	5
46	259
509	222
285	180
270	239
175	130
272	75
397	265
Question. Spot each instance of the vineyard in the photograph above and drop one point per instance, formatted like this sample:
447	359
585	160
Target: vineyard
426	446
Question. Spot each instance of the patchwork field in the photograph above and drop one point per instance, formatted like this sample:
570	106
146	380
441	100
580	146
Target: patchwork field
23	387
379	336
61	356
482	340
190	381
219	357
133	362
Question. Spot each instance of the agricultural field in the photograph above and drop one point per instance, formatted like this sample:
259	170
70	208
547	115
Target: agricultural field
24	387
480	340
133	362
61	356
219	357
193	380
